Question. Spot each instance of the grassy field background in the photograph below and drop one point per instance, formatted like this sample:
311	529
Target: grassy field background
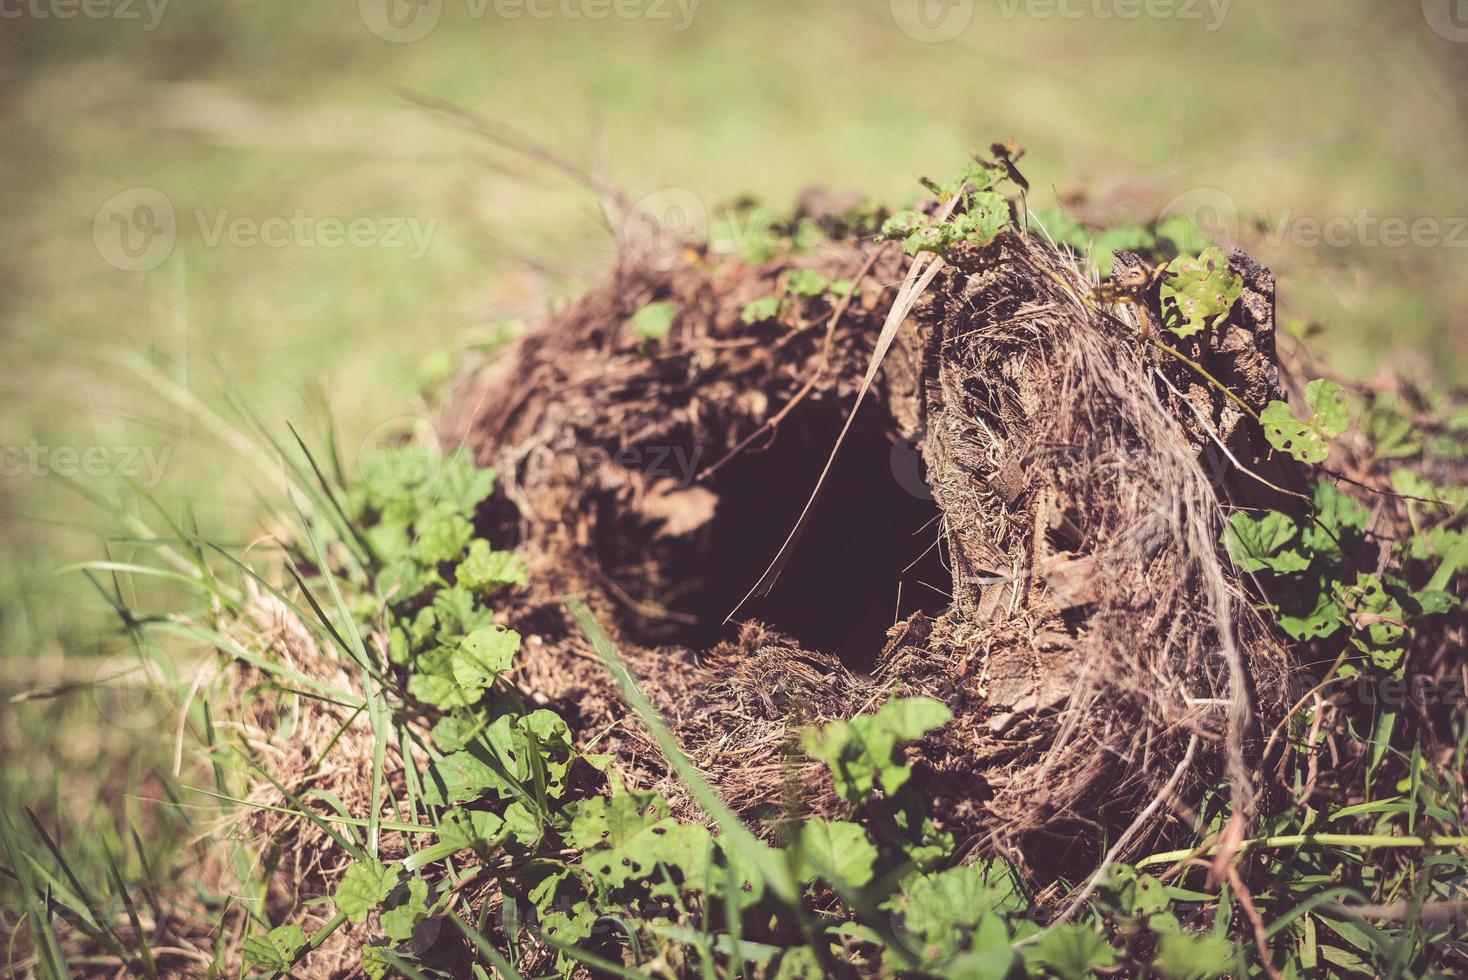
258	115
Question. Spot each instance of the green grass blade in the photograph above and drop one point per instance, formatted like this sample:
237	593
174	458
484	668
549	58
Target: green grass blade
776	873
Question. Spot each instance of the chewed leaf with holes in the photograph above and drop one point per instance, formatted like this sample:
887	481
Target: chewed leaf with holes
1307	441
276	950
667	847
601	822
1381	631
1199	292
363	888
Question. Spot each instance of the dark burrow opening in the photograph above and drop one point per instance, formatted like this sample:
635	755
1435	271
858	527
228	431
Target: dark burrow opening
869	555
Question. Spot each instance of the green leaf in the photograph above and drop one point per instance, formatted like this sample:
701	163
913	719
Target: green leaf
1385	635
836	848
276	950
1313	619
1199	292
1307	441
458	778
800	963
441	537
1073	951
938	910
522	825
363	888
599	822
483	656
460	485
1259	543
374	962
1106	243
1183	956
485	570
990	954
442	692
654	320
912	718
761	310
682	848
865	752
1185	236
410	908
808	283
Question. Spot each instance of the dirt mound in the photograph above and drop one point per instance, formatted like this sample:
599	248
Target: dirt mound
1023	523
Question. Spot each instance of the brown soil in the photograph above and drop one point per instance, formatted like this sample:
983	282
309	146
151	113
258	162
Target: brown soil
1023	523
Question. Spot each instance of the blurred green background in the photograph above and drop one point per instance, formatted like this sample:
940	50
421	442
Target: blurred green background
260	120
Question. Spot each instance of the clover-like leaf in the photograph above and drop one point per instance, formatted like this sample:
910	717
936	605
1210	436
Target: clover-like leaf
276	950
1307	441
1199	291
654	320
363	888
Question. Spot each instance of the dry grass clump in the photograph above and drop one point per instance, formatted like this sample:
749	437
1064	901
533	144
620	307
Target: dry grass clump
1095	629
